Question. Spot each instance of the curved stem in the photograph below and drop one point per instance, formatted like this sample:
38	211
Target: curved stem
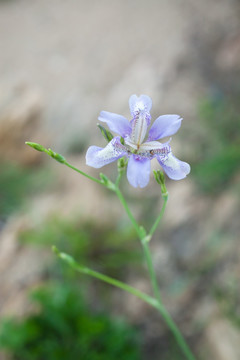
58	157
146	298
84	270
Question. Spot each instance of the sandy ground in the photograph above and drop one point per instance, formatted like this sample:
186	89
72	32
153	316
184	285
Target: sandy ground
86	56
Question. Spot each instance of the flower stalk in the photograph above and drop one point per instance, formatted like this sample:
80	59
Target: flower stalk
143	235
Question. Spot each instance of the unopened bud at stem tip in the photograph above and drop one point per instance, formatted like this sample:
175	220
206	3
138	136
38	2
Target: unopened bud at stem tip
159	177
35	146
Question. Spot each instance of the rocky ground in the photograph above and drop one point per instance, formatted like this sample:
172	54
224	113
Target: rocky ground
61	63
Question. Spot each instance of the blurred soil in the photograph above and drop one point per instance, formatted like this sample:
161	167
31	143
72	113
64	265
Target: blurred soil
61	63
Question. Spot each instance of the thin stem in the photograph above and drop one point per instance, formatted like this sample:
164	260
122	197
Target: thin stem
128	211
144	240
83	173
84	270
176	332
151	270
118	178
159	218
148	299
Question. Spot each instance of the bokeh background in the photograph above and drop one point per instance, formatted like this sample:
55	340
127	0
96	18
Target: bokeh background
61	63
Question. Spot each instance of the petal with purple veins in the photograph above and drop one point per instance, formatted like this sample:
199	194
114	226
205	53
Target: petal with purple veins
165	125
139	129
173	167
155	146
98	157
141	103
117	123
138	171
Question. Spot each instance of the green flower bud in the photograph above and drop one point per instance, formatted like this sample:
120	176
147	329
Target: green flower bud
122	162
56	156
160	178
35	146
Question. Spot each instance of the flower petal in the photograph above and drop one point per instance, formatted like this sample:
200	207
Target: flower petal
155	145
165	125
173	167
117	123
98	157
141	103
139	129
153	149
138	171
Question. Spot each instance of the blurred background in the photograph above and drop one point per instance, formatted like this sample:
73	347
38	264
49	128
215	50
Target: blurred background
61	63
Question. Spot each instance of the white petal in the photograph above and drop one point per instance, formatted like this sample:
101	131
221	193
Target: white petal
141	103
139	129
98	157
173	167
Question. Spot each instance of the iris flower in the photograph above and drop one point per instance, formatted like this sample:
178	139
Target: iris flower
137	140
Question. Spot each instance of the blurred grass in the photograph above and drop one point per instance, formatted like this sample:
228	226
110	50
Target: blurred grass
110	249
64	328
228	298
17	184
217	150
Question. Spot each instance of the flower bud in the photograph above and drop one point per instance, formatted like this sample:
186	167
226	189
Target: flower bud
56	156
122	162
35	146
159	177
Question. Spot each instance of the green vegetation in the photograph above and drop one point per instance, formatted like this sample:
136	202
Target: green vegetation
93	245
228	299
218	148
64	328
16	184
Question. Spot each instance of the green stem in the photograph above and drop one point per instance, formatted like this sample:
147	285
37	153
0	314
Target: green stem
151	271
147	252
128	211
148	299
61	159
144	240
159	218
82	173
118	178
176	332
84	270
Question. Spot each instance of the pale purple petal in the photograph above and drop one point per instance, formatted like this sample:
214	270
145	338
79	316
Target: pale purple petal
139	129
173	167
138	171
139	104
165	125
98	157
117	123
